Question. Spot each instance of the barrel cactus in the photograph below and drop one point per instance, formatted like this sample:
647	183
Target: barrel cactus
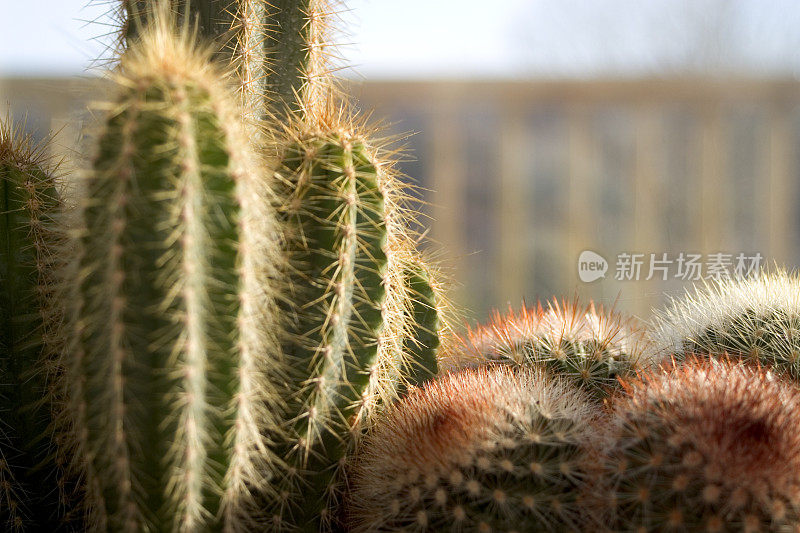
757	319
711	446
173	351
585	343
495	448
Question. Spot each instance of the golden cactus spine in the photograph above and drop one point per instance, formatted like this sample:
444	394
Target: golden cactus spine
173	349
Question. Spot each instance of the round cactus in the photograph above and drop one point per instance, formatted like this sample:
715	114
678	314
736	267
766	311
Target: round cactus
495	448
756	319
588	344
711	446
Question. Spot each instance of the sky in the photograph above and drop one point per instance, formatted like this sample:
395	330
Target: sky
473	38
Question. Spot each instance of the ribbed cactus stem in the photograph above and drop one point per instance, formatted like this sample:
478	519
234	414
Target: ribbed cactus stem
296	57
422	344
335	218
276	46
214	18
169	326
30	497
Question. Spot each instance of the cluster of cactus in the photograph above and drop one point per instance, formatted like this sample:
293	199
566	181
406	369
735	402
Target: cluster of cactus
687	441
236	293
224	324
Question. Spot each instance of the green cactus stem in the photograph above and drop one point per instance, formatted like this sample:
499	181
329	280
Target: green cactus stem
334	212
32	494
710	446
489	449
278	47
174	332
297	58
422	344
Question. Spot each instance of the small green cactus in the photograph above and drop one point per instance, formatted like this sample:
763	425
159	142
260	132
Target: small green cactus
757	319
496	448
422	345
712	446
33	496
589	345
173	346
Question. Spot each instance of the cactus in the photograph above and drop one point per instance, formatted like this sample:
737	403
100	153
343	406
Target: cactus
496	448
422	345
33	494
756	319
712	446
279	49
334	211
587	344
214	381
173	350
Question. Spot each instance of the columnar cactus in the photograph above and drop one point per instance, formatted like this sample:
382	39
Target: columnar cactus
588	344
334	209
279	48
349	303
172	302
32	494
496	448
757	319
712	446
422	344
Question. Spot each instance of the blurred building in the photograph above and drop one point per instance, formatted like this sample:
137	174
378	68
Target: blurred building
524	176
675	180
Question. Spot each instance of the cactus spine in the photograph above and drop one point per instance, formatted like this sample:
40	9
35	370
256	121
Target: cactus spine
173	328
712	446
277	47
32	494
334	214
757	319
587	344
487	449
